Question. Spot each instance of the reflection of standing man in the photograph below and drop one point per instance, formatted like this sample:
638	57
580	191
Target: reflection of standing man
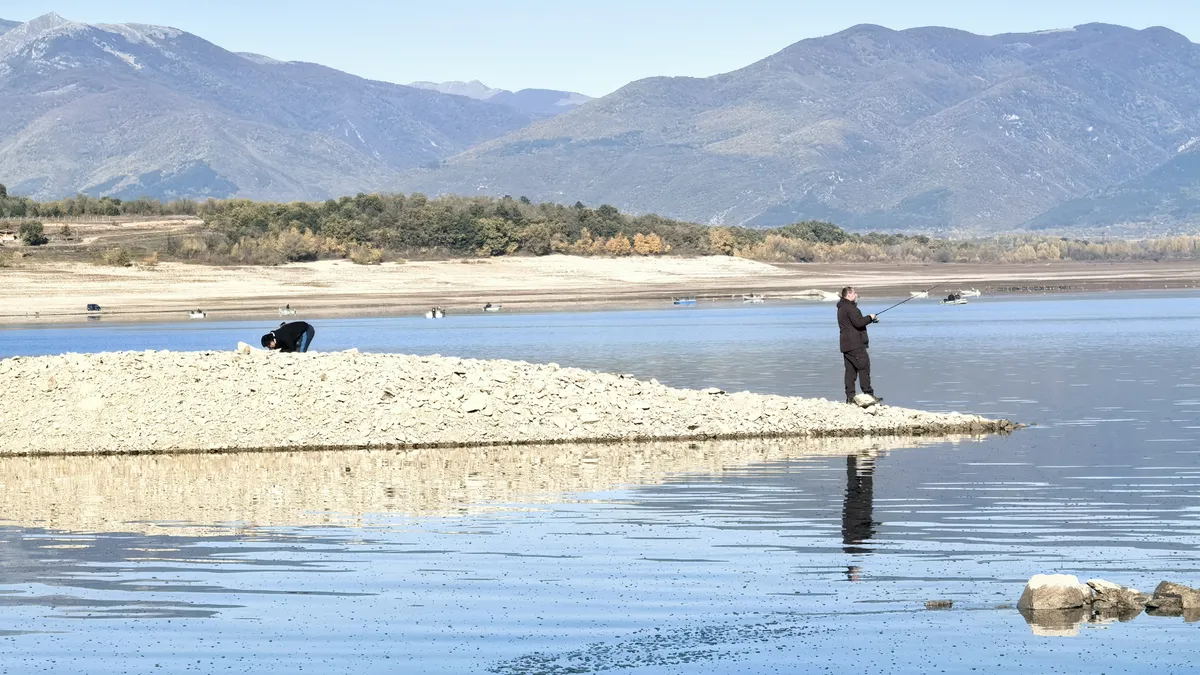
857	526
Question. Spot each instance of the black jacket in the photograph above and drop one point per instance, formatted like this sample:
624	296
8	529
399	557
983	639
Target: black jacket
287	336
853	326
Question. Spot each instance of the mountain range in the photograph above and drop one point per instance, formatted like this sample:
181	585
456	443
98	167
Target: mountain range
538	102
927	129
131	109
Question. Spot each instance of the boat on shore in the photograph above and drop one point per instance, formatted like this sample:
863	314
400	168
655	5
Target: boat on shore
919	294
683	301
489	307
197	314
287	310
435	313
970	293
753	298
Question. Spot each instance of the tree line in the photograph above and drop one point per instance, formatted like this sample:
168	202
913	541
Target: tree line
368	228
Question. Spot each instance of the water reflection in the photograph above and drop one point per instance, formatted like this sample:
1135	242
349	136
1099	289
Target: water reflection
857	526
1068	622
199	493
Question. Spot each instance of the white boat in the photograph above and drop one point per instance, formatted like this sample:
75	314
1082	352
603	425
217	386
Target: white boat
919	294
959	301
197	314
287	310
492	308
970	293
435	313
753	298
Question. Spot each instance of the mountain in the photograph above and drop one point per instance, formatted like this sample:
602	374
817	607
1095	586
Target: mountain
1163	200
538	102
473	89
927	129
131	109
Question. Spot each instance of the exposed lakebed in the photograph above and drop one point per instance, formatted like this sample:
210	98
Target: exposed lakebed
751	556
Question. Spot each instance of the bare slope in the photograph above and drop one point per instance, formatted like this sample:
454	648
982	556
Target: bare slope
928	128
131	109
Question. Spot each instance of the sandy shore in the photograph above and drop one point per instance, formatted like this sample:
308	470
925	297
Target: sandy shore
59	291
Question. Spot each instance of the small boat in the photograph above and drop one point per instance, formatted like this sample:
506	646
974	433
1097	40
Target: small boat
287	310
196	314
919	294
435	313
753	298
492	308
970	293
959	301
683	301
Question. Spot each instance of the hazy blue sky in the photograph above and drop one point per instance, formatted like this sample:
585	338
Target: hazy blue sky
581	45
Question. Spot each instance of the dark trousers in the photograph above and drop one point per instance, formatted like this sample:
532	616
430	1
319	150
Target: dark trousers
306	339
858	366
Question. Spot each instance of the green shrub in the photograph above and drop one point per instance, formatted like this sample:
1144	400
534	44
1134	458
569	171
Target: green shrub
33	233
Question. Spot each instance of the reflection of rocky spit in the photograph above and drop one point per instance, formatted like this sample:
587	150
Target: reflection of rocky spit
156	401
159	493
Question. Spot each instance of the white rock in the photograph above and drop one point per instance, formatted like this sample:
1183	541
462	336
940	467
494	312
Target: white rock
475	402
1053	591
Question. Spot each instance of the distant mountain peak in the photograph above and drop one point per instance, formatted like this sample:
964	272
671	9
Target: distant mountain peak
541	102
43	27
473	89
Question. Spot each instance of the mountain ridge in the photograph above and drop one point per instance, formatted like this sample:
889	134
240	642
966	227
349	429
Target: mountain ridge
123	109
923	129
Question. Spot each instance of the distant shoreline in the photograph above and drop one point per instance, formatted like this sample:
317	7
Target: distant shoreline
42	293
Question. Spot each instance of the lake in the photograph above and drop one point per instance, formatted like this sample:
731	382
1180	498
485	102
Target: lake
757	556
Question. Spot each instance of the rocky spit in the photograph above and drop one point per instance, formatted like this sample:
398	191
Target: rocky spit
160	401
1056	605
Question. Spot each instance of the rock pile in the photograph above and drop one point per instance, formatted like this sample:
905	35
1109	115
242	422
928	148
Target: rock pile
164	401
1057	604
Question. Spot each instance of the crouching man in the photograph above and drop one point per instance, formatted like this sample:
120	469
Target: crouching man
290	337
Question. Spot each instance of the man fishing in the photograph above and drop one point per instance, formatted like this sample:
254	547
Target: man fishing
290	337
854	342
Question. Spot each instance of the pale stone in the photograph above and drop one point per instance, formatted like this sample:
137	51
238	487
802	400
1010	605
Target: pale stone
1052	591
475	402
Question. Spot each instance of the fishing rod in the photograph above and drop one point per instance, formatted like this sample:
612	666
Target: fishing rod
914	297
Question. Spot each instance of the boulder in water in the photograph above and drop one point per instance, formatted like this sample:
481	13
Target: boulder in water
1054	591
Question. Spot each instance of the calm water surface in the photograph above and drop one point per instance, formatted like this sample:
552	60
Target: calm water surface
745	557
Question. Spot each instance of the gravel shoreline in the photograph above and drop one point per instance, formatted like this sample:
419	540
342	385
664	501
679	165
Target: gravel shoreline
159	401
